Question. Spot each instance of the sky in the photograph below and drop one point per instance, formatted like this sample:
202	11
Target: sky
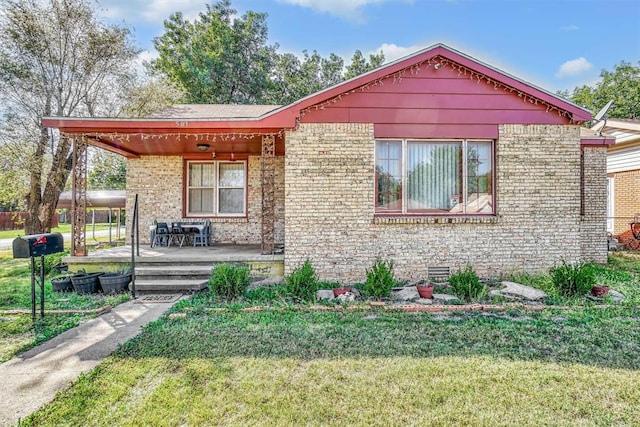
556	45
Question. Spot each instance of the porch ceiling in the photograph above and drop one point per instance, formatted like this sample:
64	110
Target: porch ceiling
185	143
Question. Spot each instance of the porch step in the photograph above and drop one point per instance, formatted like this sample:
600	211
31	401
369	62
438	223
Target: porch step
173	285
174	271
172	277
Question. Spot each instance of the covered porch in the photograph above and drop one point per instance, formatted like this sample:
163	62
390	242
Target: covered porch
223	164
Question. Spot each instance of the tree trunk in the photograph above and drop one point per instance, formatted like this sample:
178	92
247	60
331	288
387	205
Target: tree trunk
41	204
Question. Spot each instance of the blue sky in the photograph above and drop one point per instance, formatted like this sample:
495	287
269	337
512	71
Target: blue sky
553	44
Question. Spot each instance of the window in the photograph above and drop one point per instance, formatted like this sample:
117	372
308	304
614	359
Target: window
216	188
434	177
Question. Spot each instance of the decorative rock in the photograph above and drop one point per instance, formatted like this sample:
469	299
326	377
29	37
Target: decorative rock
405	294
269	281
445	298
616	296
348	297
324	294
424	301
513	290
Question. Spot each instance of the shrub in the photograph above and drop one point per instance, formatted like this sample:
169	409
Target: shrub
229	282
380	279
466	284
302	283
571	280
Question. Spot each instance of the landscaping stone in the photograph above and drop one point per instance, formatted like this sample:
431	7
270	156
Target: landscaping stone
513	290
406	293
445	298
269	281
616	296
348	297
324	294
424	301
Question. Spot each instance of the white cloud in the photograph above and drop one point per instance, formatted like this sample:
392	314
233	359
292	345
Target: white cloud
149	11
571	27
392	51
574	67
348	9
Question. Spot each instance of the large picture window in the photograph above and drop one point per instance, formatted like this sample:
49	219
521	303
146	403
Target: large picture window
216	188
434	177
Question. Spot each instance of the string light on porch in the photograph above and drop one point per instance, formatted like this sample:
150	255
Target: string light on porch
438	63
200	138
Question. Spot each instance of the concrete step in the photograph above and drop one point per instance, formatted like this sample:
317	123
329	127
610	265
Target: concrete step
174	270
168	285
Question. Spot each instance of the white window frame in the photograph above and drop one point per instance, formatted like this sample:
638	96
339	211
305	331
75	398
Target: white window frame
404	176
216	189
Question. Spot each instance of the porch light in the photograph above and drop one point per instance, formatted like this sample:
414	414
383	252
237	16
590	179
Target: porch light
202	147
213	154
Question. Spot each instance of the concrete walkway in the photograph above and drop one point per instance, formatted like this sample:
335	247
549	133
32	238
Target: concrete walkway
32	378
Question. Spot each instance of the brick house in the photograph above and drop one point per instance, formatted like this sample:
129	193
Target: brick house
434	160
623	172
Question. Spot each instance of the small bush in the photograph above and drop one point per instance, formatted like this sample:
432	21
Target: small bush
380	279
466	285
302	283
229	282
571	280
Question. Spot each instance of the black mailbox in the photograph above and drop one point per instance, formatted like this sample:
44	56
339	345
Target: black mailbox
37	245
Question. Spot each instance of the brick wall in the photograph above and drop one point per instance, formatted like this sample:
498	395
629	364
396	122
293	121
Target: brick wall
329	207
158	181
593	228
626	199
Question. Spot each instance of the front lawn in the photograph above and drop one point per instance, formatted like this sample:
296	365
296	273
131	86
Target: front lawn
368	367
17	331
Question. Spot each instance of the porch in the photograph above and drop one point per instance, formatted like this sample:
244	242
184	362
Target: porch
179	269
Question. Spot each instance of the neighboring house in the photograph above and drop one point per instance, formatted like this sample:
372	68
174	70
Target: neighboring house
434	160
623	172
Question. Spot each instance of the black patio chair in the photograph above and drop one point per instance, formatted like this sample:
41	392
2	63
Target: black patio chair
178	234
161	236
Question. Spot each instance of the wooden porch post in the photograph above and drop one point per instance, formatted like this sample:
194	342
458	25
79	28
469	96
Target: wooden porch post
268	173
79	197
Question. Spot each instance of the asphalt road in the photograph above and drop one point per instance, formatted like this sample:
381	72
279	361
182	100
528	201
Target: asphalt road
8	243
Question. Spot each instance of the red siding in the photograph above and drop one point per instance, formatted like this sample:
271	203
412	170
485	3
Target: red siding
434	104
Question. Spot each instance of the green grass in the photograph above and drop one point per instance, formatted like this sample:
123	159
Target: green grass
365	368
63	228
18	332
285	366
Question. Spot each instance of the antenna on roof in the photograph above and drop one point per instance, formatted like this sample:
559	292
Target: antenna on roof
602	115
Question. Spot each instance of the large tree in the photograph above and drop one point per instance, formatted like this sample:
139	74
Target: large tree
56	59
622	85
218	58
221	57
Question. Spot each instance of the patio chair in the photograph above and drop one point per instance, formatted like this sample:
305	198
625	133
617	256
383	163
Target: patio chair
178	234
162	235
201	238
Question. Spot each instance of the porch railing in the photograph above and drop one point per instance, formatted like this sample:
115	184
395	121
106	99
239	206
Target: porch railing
135	245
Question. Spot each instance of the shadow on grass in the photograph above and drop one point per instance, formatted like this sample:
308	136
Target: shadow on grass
604	338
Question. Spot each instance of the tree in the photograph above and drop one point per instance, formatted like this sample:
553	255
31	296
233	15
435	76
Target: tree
360	65
219	58
622	85
56	59
223	58
293	79
108	172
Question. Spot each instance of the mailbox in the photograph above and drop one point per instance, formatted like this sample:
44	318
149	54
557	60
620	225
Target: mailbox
37	245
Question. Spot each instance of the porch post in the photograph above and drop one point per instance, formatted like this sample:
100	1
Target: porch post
268	173
79	197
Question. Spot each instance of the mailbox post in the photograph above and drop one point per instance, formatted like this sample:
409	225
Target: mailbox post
33	246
